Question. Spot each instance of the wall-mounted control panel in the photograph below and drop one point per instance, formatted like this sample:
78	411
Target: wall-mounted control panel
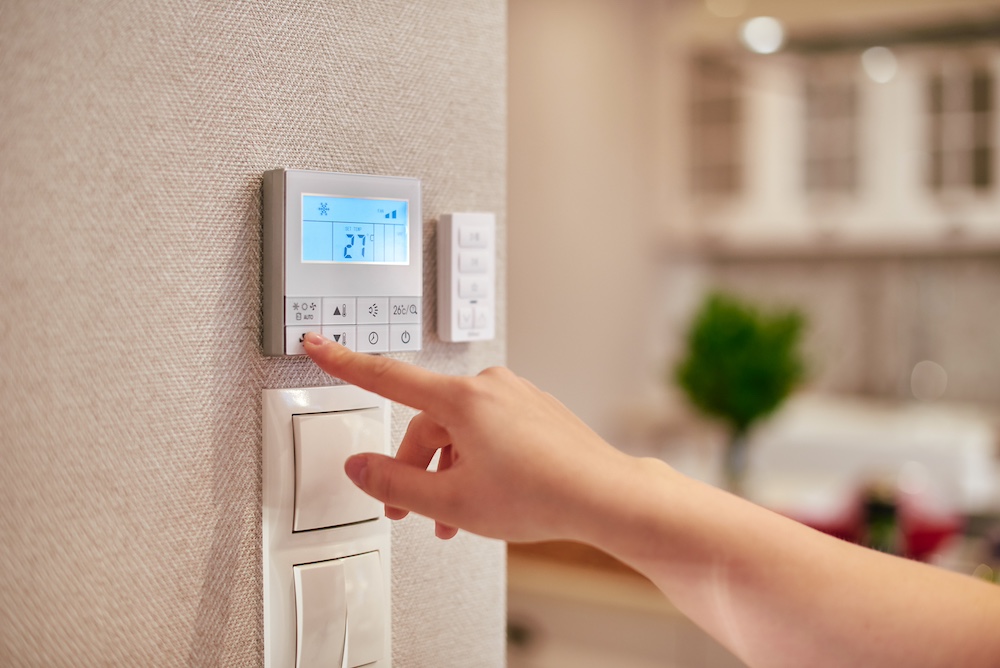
467	276
326	544
343	256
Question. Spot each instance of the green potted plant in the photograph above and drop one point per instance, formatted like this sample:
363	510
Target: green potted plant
740	364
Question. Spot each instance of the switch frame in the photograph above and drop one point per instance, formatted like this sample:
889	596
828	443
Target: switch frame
282	548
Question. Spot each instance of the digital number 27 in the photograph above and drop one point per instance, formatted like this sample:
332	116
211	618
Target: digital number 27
348	247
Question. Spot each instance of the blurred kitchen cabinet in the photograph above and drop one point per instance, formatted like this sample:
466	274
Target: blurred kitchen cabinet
843	146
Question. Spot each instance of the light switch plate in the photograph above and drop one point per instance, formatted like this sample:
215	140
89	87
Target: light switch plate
284	549
324	495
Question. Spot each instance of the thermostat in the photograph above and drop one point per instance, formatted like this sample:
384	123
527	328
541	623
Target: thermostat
343	256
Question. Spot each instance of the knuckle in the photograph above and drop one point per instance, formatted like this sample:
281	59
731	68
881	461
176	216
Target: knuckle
498	373
473	391
380	368
451	498
466	390
385	485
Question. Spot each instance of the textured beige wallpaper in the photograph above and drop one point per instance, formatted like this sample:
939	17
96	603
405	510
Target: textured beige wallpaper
133	136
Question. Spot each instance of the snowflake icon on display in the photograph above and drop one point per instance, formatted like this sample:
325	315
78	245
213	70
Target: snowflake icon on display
323	208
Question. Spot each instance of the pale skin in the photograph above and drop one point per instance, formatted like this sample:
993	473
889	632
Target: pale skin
517	465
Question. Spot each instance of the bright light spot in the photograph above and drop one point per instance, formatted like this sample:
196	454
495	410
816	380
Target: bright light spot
928	381
299	397
763	34
914	478
880	64
726	9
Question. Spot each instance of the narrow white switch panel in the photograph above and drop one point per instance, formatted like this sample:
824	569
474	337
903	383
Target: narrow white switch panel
467	276
333	573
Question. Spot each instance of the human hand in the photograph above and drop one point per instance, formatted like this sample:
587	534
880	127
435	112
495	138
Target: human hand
515	463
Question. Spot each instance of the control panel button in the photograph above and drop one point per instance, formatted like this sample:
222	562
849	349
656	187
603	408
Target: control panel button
481	318
338	311
345	335
373	310
473	236
473	287
404	337
302	311
373	339
293	339
404	309
465	317
473	262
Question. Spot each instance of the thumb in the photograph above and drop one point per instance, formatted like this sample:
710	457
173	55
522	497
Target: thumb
396	483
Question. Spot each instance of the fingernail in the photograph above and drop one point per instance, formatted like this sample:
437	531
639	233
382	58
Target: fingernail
314	338
356	468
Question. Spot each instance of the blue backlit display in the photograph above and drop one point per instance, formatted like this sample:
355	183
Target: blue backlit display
355	230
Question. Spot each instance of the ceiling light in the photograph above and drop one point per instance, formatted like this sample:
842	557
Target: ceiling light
763	34
879	64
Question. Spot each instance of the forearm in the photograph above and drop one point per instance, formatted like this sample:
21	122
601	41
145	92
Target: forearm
780	594
520	466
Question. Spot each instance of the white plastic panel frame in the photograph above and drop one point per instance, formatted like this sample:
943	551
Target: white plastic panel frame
282	548
286	275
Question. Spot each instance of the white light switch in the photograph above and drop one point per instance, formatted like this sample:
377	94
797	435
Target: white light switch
326	573
365	623
320	615
339	608
324	495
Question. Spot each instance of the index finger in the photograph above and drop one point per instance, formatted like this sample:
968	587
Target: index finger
398	381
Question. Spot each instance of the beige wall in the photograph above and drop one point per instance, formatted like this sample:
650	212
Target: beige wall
583	188
133	136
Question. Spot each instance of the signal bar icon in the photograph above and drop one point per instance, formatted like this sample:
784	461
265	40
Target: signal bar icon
391	215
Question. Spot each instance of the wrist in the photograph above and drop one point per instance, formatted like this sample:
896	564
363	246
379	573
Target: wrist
623	507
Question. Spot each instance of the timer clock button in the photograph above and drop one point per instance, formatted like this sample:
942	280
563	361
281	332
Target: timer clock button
373	339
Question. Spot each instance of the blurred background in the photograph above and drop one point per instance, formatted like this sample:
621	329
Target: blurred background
831	163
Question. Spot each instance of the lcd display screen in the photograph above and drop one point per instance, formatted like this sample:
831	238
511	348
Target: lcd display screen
355	230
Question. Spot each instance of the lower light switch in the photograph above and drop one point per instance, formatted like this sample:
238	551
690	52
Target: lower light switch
365	596
320	615
339	608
